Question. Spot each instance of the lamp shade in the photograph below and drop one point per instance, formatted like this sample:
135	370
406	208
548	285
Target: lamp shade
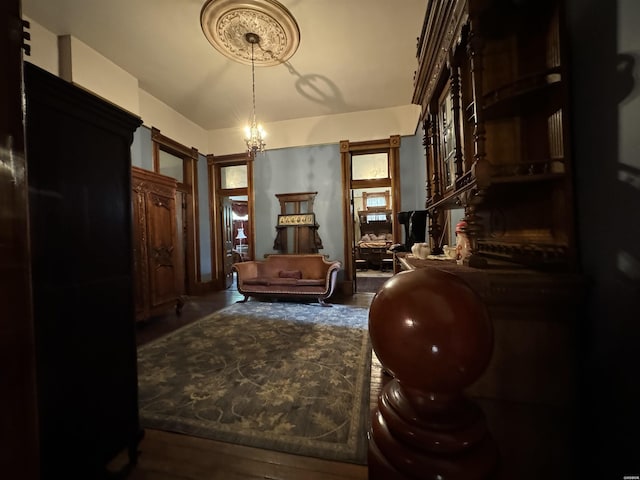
240	234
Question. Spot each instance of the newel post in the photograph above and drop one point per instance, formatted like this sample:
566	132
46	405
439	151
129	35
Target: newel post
433	334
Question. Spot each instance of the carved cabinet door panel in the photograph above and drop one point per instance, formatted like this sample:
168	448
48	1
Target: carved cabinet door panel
157	266
162	251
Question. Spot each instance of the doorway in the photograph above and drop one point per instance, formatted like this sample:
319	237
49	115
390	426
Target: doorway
371	194
231	200
178	161
373	235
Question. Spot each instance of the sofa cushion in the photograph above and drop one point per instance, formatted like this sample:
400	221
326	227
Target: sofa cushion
297	274
256	281
311	281
283	281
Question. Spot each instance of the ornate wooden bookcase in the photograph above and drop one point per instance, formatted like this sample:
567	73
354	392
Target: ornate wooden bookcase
492	82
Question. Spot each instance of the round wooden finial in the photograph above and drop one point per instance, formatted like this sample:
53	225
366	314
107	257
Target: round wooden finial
432	333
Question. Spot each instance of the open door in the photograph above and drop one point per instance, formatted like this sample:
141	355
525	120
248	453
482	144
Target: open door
372	166
354	256
232	237
227	241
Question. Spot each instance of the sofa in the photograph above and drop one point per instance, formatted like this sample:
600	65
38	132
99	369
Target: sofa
288	276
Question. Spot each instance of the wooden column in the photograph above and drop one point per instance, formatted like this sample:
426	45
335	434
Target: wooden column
433	334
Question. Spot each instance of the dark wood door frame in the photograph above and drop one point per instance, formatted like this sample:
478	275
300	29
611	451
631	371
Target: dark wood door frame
390	146
189	187
216	194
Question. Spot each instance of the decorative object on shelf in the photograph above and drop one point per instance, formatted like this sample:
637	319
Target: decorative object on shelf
463	247
234	28
420	250
297	219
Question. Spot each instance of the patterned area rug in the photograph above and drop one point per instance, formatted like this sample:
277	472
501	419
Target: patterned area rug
283	376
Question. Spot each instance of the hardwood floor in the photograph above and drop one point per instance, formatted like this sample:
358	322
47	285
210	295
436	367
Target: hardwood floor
534	441
171	456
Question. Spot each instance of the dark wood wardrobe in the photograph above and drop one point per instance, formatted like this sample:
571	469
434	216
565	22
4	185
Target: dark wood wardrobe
79	179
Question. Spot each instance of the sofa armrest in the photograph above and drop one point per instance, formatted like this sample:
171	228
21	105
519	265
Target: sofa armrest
246	270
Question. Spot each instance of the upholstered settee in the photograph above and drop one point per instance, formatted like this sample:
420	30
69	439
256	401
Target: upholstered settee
288	275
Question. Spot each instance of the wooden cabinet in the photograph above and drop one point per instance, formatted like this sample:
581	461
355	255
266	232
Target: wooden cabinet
158	276
492	83
79	171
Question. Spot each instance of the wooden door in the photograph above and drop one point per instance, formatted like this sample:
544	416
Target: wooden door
354	255
227	241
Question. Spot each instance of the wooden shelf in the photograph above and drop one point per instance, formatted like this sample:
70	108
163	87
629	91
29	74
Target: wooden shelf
530	93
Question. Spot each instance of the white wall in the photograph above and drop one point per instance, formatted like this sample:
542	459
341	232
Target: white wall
157	114
44	47
355	127
71	59
83	66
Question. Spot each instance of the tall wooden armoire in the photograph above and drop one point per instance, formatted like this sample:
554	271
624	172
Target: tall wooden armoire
79	177
158	272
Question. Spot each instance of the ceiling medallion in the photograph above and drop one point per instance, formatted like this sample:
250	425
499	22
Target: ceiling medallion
225	23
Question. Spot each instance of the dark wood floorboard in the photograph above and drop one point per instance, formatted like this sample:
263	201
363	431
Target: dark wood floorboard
533	440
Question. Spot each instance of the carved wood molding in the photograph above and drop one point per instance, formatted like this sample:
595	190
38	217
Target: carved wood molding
435	48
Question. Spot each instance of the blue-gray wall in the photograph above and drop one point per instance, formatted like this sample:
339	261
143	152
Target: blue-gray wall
318	169
204	218
142	149
299	169
413	173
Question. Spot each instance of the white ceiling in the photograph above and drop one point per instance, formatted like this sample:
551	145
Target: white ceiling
354	55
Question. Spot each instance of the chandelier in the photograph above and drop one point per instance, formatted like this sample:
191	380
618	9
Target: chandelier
232	25
254	133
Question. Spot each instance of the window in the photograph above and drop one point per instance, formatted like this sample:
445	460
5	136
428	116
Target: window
369	166
171	165
234	176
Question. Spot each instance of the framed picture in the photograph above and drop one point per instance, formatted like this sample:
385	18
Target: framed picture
297	219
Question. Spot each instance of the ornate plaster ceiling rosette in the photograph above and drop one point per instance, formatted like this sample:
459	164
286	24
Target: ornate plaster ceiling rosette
225	23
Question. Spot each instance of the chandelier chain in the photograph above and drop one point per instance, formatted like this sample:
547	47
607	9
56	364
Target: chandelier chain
253	83
254	132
